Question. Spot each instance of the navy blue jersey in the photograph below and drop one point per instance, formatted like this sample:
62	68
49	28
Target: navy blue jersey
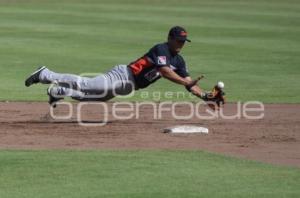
145	69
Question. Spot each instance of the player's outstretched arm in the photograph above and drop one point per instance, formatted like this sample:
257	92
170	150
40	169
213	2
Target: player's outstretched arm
169	74
190	84
195	90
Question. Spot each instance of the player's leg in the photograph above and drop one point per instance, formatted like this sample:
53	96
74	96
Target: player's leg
118	81
45	76
57	93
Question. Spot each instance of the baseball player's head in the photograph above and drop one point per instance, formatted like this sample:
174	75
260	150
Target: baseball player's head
176	38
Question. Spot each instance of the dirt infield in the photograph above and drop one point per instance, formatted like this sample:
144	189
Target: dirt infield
274	139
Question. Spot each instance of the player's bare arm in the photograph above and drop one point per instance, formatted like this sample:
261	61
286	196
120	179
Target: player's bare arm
169	74
196	90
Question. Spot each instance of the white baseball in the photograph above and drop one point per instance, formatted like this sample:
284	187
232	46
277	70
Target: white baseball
220	85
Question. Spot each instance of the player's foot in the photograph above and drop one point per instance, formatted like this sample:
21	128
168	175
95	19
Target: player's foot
34	77
52	99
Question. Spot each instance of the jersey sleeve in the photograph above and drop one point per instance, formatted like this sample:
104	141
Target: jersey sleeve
160	56
182	69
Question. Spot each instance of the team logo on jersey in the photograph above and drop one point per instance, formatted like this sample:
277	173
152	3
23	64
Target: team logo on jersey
162	60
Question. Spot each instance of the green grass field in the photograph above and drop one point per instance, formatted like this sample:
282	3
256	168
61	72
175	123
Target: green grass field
253	46
140	174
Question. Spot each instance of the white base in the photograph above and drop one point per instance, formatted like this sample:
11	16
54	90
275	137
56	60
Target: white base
186	129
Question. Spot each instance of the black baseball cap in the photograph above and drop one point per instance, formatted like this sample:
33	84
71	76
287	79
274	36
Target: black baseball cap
179	33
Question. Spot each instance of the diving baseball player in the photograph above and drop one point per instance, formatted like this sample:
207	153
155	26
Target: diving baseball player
162	60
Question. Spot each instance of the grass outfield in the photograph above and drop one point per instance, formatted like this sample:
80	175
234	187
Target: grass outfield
140	174
253	46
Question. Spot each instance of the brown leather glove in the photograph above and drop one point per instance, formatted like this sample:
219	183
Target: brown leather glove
216	96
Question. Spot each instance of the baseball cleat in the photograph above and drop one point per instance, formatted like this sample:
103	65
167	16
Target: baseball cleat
34	77
52	100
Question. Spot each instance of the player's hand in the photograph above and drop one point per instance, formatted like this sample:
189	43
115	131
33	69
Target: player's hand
193	83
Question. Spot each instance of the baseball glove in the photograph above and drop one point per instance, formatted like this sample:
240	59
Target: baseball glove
215	98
